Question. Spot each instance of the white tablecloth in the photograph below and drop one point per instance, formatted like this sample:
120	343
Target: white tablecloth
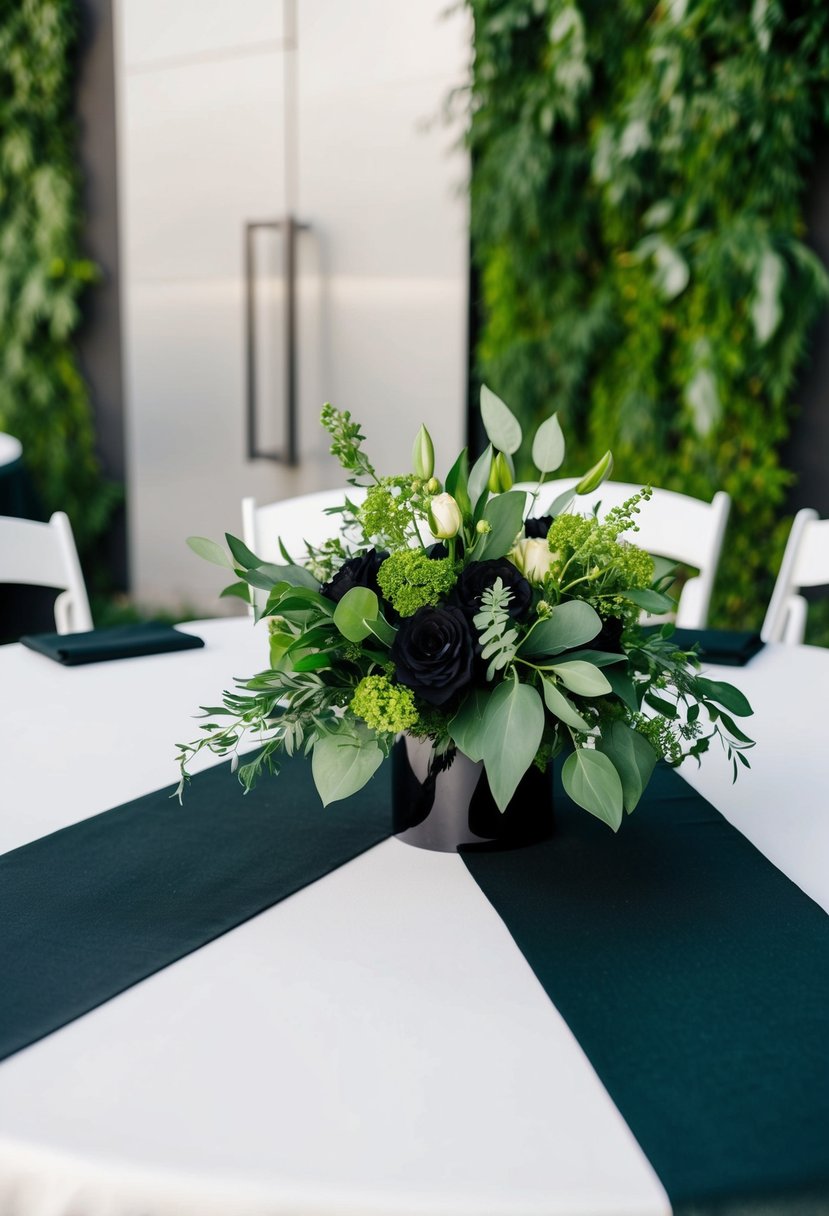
375	1043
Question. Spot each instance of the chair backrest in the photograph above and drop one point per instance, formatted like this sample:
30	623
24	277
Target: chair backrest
296	522
805	564
44	555
671	525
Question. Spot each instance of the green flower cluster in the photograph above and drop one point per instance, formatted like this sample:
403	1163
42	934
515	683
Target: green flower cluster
386	515
588	555
411	580
383	706
660	734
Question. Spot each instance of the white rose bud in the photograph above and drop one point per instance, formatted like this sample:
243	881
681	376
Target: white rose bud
533	559
444	517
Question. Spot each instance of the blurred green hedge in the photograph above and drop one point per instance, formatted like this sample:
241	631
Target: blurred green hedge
43	273
638	180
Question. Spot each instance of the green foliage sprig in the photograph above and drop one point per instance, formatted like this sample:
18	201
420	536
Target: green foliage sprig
43	273
639	172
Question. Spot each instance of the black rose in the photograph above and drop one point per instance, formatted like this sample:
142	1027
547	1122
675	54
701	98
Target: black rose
360	571
537	529
477	576
433	653
609	638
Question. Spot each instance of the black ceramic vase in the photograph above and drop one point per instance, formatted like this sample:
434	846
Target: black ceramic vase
444	802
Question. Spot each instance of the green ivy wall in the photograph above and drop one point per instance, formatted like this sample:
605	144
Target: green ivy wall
639	173
43	273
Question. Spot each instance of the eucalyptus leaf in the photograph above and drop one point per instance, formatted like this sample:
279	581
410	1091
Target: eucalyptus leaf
582	678
505	515
570	624
502	427
592	782
237	590
560	503
562	708
210	551
358	606
466	730
633	758
296	576
342	763
549	446
513	726
599	658
623	687
478	484
241	553
649	600
724	694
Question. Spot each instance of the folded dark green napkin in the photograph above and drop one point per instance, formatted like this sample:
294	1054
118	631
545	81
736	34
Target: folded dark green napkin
727	647
119	642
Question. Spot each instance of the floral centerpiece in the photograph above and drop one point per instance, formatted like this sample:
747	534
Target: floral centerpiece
477	617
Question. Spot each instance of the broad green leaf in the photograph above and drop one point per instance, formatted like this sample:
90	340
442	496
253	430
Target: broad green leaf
666	708
582	678
568	625
632	756
382	630
210	551
513	725
548	446
295	576
457	481
623	687
505	515
241	553
593	783
255	578
479	477
724	694
599	658
502	427
312	662
343	763
649	600
561	707
466	729
239	590
355	609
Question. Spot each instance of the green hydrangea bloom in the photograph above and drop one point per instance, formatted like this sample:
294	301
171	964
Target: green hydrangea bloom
411	580
383	706
591	562
386	514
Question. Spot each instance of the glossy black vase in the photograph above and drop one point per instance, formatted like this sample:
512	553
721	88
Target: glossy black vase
444	802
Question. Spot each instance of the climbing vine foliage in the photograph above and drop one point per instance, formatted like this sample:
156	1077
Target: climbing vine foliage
639	172
43	398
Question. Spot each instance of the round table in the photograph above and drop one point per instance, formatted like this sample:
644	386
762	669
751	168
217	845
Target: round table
373	1044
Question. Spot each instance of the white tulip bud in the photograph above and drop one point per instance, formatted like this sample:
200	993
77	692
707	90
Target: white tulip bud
533	558
444	517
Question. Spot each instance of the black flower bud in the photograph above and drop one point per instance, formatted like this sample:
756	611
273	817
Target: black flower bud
478	576
537	529
360	571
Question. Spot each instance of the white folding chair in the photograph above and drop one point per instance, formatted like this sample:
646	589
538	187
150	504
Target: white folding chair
805	564
44	555
671	525
296	522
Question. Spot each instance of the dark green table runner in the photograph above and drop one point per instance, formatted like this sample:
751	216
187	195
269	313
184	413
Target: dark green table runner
92	909
692	972
695	976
